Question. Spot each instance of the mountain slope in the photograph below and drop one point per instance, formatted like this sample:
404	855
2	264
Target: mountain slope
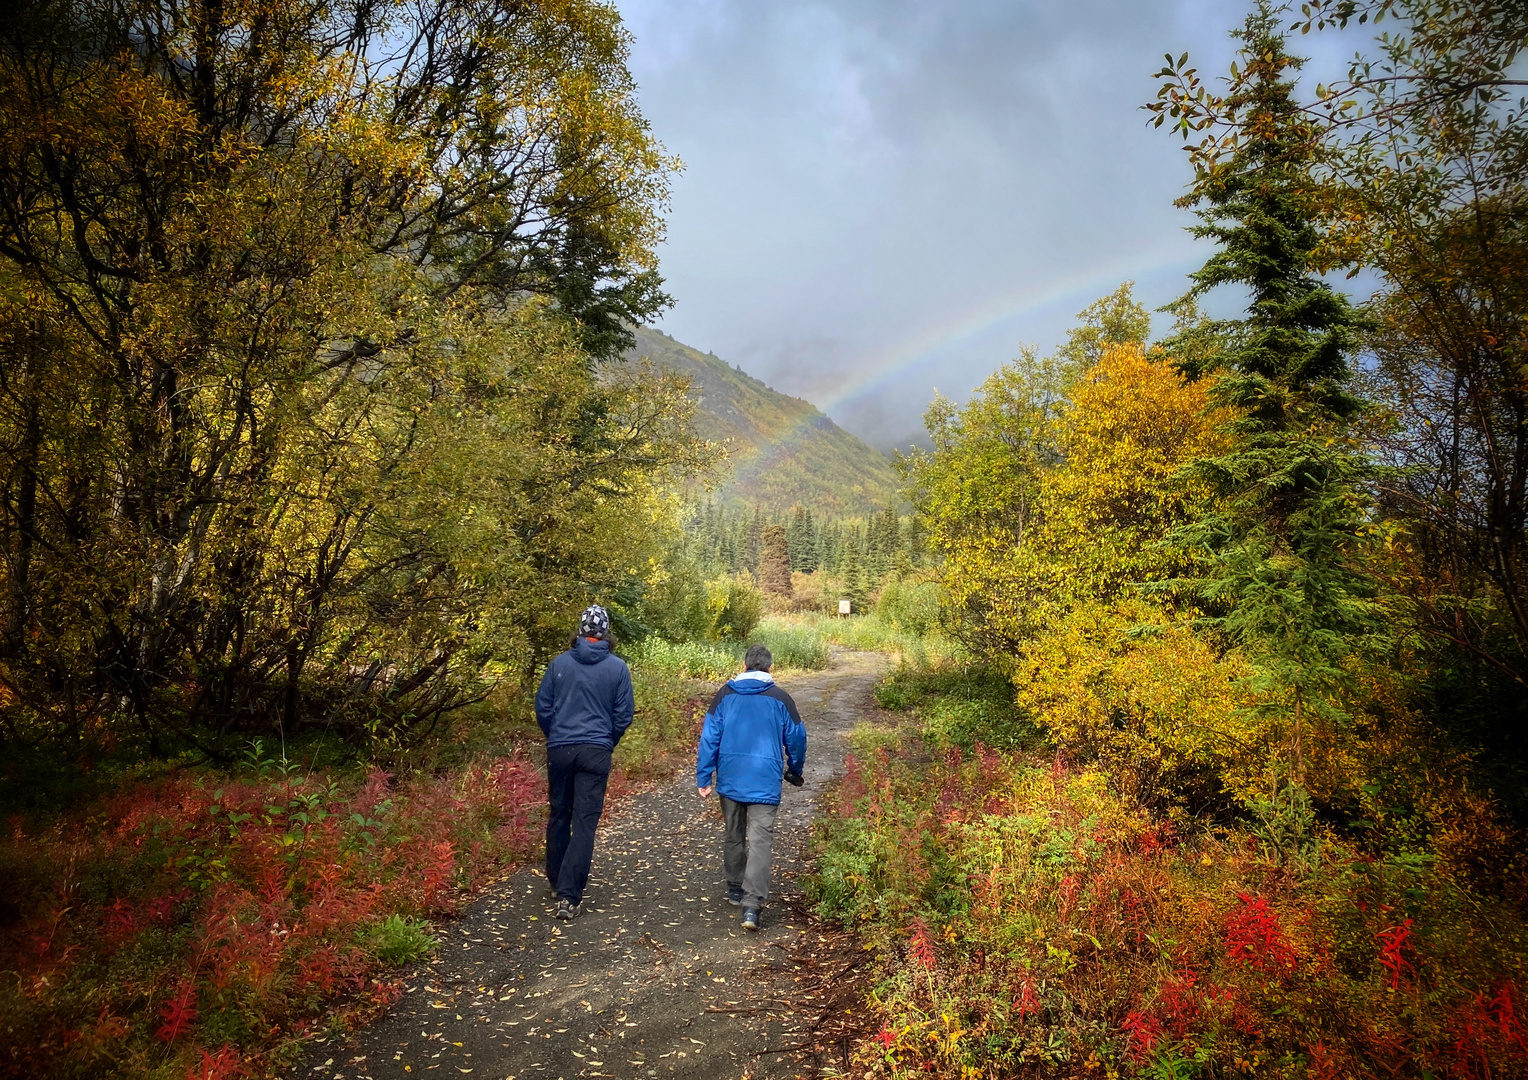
783	450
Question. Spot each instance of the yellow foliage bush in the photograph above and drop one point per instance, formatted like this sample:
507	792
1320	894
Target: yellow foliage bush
1137	688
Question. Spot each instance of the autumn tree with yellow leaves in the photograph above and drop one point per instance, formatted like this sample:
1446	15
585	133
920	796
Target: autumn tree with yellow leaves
303	308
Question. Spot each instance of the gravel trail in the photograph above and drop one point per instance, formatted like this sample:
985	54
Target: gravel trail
656	978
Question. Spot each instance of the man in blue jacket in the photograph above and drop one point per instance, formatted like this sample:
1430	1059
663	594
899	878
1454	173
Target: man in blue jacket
752	735
584	706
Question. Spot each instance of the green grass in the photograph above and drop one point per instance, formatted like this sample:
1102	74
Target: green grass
792	645
398	939
960	705
689	660
868	633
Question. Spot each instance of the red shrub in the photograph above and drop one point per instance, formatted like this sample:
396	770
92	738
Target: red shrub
178	1013
1504	1010
439	862
1142	1031
1323	1063
1027	1001
921	947
373	792
1392	944
1255	937
1179	1001
224	1065
1157	838
1487	1030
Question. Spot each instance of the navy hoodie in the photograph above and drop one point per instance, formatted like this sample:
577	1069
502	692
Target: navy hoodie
585	697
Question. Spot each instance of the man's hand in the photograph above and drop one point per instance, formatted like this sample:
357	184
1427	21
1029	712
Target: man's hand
705	792
794	779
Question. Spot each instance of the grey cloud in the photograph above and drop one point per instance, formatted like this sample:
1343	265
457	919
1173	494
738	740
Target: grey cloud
882	195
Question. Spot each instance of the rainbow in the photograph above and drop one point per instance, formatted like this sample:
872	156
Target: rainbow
1084	285
1081	287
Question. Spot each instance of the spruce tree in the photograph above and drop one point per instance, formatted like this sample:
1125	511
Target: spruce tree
852	570
775	561
811	544
1278	552
753	541
799	536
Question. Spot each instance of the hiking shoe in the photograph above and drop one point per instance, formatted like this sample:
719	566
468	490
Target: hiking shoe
735	897
750	919
566	911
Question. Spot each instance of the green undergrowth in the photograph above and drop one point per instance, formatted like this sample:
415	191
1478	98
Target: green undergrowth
871	633
959	705
1033	922
701	660
799	641
795	647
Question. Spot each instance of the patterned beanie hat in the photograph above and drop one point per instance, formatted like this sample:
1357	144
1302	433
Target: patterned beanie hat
594	622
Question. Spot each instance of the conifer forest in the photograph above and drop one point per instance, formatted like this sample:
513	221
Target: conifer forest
1200	743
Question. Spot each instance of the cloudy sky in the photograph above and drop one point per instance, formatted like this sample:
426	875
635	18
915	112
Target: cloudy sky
885	197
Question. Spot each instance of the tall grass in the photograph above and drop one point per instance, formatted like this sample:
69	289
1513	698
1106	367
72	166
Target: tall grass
870	633
707	661
792	645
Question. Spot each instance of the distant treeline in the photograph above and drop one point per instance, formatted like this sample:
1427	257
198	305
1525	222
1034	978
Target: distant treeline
859	551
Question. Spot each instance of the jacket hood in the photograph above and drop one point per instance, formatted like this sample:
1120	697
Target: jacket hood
751	682
590	652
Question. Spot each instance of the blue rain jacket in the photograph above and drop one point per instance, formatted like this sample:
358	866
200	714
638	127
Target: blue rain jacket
752	736
585	697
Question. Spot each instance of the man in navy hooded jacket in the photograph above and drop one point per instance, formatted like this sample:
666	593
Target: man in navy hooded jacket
584	705
752	736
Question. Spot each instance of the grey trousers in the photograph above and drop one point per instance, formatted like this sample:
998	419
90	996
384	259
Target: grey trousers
748	848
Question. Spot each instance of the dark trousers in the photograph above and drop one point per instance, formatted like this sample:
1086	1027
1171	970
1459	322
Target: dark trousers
747	848
576	779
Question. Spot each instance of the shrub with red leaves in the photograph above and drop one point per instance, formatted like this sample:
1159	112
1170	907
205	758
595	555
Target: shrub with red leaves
1255	937
1393	941
178	1013
1027	1002
223	1065
1486	1030
921	947
1142	1033
250	896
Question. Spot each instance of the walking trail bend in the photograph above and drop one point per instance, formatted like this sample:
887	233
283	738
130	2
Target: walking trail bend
656	977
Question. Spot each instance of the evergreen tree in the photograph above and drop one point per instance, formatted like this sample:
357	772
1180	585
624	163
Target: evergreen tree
753	541
727	555
1291	506
775	561
803	541
852	570
915	540
888	542
811	558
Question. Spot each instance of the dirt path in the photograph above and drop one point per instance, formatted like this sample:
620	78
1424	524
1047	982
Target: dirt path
656	978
